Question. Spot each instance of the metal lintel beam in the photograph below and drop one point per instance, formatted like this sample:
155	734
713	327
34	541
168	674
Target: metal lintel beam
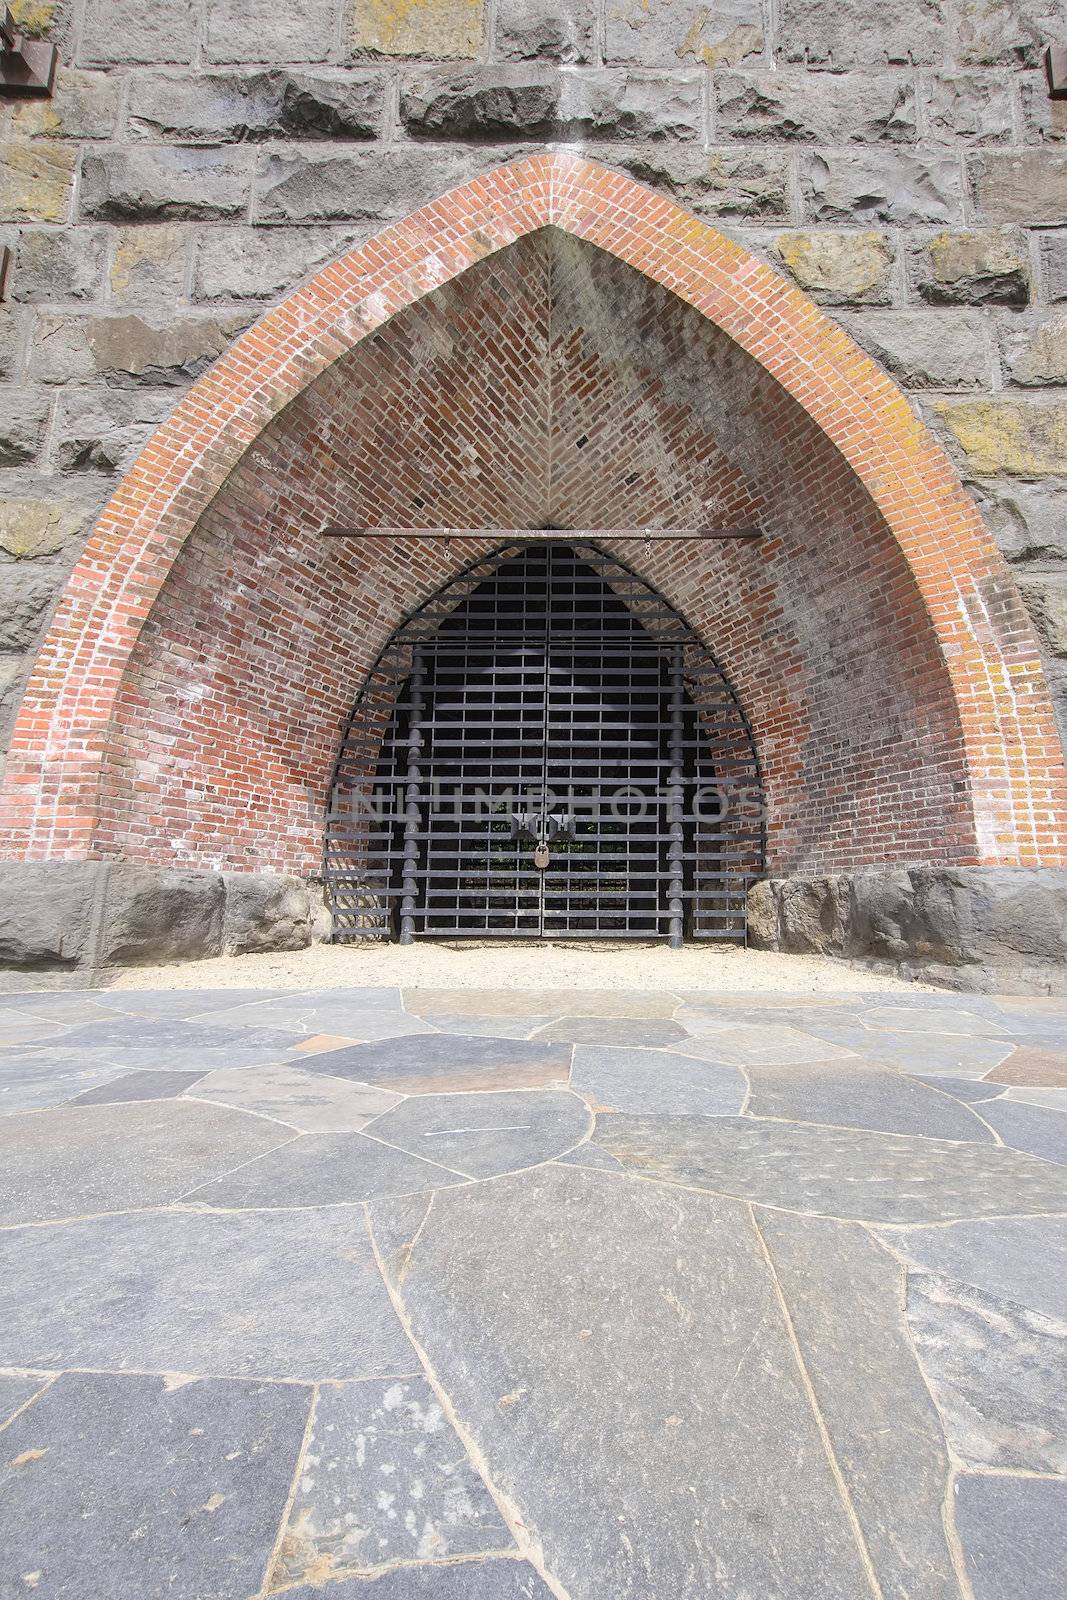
541	535
1056	71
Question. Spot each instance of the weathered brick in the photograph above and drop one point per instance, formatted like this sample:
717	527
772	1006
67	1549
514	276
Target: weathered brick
748	184
979	267
540	102
36	181
261	30
118	32
1008	436
829	33
23	419
53	264
434	30
1054	264
966	108
127	349
881	186
103	430
823	109
928	349
1035	349
147	185
1028	188
839	269
1010	33
224	106
85	105
545	30
148	264
668	33
261	263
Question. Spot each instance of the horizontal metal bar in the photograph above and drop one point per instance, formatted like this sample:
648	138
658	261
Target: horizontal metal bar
540	535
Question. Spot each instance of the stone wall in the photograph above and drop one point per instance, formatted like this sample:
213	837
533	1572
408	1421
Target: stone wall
901	160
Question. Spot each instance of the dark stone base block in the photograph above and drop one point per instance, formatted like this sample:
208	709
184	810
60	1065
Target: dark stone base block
58	916
982	929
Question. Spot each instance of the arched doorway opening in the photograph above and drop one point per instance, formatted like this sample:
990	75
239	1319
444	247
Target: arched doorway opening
545	750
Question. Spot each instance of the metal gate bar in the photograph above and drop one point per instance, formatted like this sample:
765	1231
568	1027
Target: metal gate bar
546	698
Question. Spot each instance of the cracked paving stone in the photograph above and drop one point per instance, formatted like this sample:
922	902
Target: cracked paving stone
859	1094
76	1161
634	1032
834	1172
483	1135
64	1008
1014	1533
1014	1258
18	1029
494	1578
1053	1099
496	1027
1034	1129
997	1370
449	1063
15	1389
385	1479
932	1054
1043	1069
33	1081
635	1397
127	1039
591	1155
742	1046
843	1294
139	1086
940	1019
272	1294
972	1091
306	1100
136	1488
323	1169
522	1002
656	1081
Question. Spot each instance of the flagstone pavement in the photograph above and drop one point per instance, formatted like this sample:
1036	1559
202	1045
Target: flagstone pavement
370	1294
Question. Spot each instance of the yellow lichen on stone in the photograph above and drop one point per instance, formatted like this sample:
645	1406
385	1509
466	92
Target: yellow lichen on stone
31	528
437	29
148	261
36	182
32	17
851	265
742	41
1008	436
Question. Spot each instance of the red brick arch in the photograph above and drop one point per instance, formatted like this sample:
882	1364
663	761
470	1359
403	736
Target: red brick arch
1012	758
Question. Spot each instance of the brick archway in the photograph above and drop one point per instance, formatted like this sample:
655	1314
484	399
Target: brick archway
57	777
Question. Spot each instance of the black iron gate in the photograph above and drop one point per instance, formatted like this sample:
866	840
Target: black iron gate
545	751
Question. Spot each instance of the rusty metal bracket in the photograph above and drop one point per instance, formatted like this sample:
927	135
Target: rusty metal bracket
1056	71
27	66
5	268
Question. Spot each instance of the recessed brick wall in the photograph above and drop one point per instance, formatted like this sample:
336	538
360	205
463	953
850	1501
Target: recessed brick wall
187	704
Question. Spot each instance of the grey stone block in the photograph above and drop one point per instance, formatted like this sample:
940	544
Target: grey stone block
1045	595
265	911
966	108
374	186
28	592
1054	264
1028	520
84	105
824	109
660	33
134	185
928	349
540	102
1012	34
45	911
1028	188
51	265
121	32
148	264
103	430
1035	349
1044	119
206	1466
258	30
129	348
23	419
881	186
983	267
151	915
224	106
826	33
744	184
544	30
9	344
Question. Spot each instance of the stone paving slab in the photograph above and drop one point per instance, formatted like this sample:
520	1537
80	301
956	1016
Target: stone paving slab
1014	1534
129	1488
572	1324
310	1101
997	1372
324	1169
554	1002
483	1135
972	1091
172	1043
841	1172
444	1063
17	1028
631	1032
955	1020
860	1095
75	1161
1020	1259
33	1079
656	1080
492	1579
384	1479
1046	1069
1038	1131
15	1389
157	1085
741	1045
955	1055
274	1294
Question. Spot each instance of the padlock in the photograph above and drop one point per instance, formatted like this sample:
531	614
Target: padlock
541	856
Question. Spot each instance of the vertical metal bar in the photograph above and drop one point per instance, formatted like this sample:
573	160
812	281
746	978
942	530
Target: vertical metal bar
676	803
412	781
